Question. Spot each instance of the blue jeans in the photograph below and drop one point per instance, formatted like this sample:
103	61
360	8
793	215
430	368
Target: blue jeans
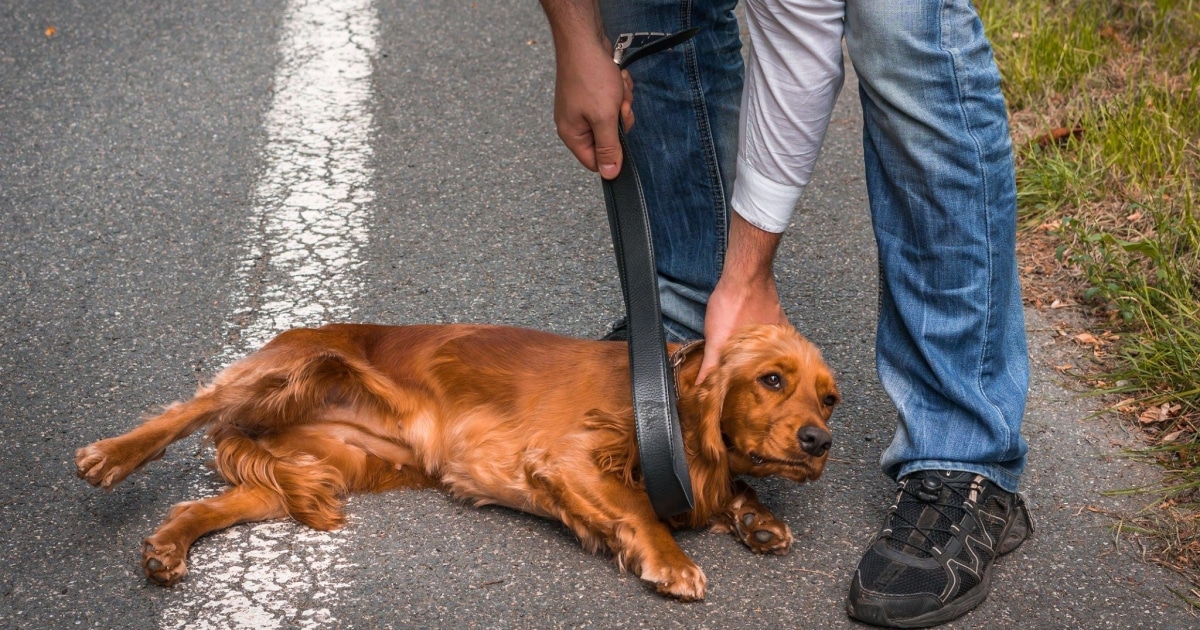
685	143
950	344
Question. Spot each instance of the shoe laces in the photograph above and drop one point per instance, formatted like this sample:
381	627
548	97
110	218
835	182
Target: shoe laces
908	524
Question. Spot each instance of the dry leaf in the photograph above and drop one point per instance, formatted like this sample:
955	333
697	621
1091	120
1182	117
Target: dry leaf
1160	413
1059	135
1087	339
1064	368
1172	436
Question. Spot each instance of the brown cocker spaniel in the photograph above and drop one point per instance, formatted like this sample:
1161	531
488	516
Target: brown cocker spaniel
515	417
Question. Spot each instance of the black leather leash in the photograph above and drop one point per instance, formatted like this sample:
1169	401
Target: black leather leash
660	443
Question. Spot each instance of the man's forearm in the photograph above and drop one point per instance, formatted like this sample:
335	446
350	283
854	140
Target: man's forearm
574	22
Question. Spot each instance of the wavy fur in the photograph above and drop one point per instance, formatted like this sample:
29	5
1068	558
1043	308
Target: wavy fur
499	415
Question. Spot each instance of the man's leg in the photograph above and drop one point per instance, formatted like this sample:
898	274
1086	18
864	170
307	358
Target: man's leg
685	143
950	345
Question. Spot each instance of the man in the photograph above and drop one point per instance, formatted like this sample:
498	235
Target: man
950	347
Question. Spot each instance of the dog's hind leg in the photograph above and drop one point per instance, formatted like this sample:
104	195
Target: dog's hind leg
107	462
164	553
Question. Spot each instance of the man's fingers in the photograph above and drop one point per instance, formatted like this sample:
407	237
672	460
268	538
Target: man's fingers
712	356
627	101
608	150
579	142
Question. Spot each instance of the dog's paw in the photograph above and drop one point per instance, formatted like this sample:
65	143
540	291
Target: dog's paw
687	584
94	465
165	564
759	529
104	466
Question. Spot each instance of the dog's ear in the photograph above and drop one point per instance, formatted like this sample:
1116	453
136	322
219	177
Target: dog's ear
713	390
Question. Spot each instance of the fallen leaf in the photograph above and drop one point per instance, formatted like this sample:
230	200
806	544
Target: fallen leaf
1159	413
1108	32
1126	406
1059	135
1172	436
1087	339
1064	368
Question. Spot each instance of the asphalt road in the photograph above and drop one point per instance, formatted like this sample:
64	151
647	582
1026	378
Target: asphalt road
143	152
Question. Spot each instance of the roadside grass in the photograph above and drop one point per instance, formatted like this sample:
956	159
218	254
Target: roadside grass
1105	107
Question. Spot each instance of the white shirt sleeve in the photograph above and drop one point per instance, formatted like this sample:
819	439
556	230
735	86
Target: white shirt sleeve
793	78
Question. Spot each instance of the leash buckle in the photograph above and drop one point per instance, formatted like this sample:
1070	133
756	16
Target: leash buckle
627	41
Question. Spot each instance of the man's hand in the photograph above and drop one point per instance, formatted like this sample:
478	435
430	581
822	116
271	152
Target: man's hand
745	294
590	92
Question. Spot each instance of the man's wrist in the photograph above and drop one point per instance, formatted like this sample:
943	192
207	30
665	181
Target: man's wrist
750	258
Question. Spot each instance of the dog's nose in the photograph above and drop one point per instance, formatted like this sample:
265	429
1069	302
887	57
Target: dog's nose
815	440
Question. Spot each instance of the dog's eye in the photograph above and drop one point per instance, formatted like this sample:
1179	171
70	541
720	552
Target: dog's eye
772	380
830	400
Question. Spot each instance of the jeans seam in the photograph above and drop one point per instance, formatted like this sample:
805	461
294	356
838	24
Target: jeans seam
707	141
987	224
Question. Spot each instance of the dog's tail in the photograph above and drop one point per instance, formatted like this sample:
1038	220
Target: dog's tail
310	488
291	381
273	393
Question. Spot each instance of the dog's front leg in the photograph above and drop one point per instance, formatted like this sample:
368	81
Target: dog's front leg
622	519
752	523
649	549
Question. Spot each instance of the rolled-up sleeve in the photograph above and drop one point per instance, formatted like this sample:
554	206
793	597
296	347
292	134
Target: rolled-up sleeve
793	79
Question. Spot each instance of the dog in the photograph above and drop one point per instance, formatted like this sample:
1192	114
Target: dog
495	415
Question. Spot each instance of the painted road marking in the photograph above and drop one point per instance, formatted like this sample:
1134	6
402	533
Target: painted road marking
310	221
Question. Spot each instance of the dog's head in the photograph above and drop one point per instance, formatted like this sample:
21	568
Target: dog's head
771	395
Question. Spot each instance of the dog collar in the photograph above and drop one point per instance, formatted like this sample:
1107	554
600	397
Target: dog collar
680	355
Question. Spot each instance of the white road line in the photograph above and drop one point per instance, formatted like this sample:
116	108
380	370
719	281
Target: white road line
311	218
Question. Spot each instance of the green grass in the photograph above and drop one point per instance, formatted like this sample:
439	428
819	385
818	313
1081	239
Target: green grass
1123	194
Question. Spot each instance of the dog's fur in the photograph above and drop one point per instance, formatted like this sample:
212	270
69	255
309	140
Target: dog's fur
515	417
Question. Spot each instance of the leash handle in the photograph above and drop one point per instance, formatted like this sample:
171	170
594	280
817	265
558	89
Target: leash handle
660	442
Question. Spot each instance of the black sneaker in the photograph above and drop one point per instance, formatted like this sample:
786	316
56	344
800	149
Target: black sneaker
619	331
932	561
